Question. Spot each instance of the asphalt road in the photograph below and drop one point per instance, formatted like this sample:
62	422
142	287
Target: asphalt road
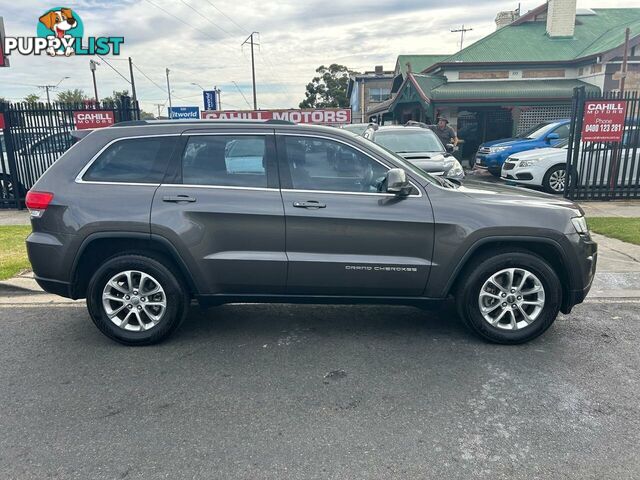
298	392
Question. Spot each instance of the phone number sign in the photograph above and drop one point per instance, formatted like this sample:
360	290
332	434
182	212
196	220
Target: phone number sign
603	120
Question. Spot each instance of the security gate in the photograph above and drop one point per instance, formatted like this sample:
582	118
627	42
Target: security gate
603	158
33	136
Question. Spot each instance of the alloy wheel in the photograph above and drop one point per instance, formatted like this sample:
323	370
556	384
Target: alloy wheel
134	301
557	180
511	299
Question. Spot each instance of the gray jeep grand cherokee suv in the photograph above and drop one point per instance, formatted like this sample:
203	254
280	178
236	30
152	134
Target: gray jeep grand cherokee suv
141	218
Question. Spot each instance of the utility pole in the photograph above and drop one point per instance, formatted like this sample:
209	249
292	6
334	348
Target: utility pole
169	92
133	83
462	32
92	66
253	67
218	92
159	105
51	87
625	58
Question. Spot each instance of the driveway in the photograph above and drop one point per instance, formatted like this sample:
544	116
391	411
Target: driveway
281	391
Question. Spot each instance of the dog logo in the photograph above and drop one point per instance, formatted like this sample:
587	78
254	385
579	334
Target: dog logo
60	22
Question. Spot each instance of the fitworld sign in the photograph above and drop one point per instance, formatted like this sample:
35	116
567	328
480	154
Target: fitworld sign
324	116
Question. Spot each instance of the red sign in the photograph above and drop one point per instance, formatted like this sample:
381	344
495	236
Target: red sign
326	116
603	120
2	125
93	119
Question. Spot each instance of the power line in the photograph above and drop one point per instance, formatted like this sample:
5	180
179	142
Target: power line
207	19
242	29
174	17
149	78
245	98
114	69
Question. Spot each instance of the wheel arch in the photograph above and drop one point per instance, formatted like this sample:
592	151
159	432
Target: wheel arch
546	248
98	247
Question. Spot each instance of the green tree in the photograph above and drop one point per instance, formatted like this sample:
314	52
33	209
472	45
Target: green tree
116	96
329	88
72	96
32	98
146	115
3	100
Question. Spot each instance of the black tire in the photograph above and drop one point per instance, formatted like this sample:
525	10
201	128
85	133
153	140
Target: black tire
473	278
177	299
546	181
7	190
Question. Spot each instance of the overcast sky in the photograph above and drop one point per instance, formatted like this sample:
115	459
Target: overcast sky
199	41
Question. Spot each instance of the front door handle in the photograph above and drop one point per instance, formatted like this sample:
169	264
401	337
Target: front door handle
309	204
178	198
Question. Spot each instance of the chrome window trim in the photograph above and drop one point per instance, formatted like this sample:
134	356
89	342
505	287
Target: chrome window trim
79	178
219	187
323	137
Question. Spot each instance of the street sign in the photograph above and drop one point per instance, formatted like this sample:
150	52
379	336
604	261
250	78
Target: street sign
184	113
326	116
93	119
603	120
4	61
210	100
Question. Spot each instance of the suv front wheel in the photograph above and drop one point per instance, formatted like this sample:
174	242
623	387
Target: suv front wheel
509	297
136	300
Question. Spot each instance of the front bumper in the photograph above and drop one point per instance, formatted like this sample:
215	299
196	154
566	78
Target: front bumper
491	162
525	175
581	268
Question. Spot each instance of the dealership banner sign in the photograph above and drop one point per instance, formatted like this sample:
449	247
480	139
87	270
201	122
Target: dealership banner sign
184	113
603	120
327	116
4	61
93	119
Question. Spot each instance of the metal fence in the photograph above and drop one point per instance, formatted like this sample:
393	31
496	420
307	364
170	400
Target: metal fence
604	170
34	135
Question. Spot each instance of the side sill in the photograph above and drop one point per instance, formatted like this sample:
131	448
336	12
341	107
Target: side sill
221	299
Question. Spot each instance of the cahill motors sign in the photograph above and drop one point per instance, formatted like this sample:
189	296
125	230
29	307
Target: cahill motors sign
93	119
327	116
603	120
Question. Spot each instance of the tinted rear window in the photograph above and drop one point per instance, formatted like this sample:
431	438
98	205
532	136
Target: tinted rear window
135	160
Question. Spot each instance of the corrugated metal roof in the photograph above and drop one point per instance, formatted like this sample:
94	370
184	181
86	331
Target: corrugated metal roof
529	42
418	62
519	89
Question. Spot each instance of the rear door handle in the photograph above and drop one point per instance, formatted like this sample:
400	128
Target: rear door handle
309	204
178	198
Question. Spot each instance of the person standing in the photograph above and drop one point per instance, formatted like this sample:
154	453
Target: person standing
444	132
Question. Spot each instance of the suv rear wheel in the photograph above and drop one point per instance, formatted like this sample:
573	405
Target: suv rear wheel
136	300
510	297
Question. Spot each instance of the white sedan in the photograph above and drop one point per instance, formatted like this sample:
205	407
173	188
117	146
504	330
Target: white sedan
542	167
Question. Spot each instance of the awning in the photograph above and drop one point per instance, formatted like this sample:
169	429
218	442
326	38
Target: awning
511	90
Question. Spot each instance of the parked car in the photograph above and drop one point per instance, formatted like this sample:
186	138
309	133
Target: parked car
420	146
357	128
491	155
547	167
543	167
140	219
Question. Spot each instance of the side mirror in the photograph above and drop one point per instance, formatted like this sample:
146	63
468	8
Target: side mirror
449	147
397	182
552	136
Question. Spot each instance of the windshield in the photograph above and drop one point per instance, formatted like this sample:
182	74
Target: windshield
538	131
409	140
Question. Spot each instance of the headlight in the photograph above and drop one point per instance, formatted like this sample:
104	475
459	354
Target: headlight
528	163
455	170
497	149
580	224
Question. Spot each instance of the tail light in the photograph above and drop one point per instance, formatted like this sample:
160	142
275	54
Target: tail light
37	202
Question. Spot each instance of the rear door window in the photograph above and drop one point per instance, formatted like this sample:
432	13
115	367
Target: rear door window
133	160
225	160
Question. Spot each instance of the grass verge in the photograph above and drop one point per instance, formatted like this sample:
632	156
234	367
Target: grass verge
625	229
13	252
